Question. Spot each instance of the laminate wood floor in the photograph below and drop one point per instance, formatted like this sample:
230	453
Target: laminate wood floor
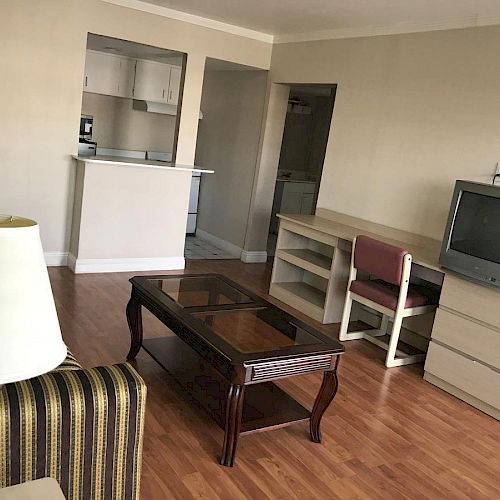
387	435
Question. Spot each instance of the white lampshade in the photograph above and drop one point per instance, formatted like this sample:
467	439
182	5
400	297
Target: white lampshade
30	337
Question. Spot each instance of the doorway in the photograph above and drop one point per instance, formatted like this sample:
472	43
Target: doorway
302	155
233	100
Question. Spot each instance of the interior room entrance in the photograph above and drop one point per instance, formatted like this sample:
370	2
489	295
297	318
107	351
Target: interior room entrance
232	102
305	137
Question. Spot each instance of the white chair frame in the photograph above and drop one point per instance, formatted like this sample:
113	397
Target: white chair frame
395	357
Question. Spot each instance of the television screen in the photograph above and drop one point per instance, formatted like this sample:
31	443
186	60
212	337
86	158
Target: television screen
476	230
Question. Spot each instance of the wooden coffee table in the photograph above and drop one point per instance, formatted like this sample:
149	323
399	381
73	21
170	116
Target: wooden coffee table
229	345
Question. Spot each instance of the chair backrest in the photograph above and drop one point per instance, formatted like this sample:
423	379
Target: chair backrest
379	259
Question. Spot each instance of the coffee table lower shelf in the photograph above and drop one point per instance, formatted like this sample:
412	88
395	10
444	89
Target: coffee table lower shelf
266	406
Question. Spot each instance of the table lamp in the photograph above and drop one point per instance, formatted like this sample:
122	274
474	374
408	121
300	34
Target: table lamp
30	337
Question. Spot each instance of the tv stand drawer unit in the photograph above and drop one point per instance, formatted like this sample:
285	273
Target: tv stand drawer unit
464	353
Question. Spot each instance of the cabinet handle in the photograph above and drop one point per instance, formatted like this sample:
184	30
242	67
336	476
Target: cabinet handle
163	95
86	81
170	96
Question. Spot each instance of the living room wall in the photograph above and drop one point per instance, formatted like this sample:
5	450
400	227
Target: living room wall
228	142
43	53
413	113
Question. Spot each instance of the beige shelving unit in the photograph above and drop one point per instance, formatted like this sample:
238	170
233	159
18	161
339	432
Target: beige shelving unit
313	255
310	271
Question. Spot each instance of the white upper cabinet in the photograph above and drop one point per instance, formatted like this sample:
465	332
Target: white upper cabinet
123	77
298	198
100	73
126	75
152	81
175	84
108	74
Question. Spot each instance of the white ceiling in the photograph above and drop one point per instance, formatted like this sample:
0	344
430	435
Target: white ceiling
291	18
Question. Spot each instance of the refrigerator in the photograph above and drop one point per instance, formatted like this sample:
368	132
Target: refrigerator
193	203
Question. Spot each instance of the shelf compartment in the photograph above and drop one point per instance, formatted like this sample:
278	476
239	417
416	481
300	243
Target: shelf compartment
307	259
265	405
302	296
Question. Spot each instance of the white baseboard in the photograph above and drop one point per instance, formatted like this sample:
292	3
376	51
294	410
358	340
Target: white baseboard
232	249
56	259
80	266
253	257
229	247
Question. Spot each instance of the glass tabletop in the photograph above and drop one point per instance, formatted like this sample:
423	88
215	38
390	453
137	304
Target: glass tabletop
200	291
257	330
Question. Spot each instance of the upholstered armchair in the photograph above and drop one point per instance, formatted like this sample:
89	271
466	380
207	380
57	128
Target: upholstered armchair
82	427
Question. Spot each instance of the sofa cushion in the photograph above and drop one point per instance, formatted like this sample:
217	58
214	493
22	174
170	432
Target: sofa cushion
70	363
81	426
387	294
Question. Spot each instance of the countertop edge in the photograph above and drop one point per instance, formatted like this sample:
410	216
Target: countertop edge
295	181
344	231
130	163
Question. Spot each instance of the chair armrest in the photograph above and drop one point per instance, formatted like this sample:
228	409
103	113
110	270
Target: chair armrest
82	427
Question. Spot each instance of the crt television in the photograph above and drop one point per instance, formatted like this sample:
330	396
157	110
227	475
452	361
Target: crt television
471	244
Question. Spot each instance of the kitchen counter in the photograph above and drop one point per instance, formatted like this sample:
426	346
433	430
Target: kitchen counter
138	162
129	214
294	180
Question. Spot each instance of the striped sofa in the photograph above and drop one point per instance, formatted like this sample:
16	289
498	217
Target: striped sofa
82	427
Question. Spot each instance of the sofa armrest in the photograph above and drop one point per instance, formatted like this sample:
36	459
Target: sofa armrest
84	428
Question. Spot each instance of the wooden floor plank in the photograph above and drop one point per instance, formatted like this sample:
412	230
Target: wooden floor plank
388	434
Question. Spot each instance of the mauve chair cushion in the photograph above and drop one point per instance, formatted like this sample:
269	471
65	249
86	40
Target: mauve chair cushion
379	259
387	294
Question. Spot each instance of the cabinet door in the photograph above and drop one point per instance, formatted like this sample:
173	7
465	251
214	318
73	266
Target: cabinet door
291	200
306	207
125	78
151	81
175	83
101	73
194	195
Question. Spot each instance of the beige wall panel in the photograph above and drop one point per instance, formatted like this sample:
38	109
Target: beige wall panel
43	54
267	168
228	142
413	113
118	126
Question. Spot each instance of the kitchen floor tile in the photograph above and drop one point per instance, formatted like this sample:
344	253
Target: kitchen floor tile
198	249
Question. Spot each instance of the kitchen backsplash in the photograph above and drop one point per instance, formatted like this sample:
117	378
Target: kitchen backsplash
118	126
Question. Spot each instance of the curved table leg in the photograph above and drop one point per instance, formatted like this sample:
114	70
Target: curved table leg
134	319
325	396
234	409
